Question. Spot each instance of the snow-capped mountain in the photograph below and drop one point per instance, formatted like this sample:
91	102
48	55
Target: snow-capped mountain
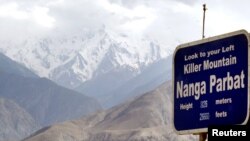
72	60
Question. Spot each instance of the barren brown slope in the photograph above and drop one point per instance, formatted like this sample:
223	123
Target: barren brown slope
147	117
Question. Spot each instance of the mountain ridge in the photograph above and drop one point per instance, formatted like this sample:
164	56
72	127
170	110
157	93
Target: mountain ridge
12	67
48	103
118	86
44	100
148	117
80	57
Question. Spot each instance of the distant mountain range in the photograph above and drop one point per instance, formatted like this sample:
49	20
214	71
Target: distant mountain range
146	118
55	79
74	59
110	91
39	100
106	59
98	63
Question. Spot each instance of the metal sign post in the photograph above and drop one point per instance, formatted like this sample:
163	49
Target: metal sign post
204	14
203	136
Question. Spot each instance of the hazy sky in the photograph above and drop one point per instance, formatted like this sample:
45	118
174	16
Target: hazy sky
165	20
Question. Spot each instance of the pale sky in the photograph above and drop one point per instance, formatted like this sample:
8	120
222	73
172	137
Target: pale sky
168	21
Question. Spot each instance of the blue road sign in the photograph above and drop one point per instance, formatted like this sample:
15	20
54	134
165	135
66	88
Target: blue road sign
210	82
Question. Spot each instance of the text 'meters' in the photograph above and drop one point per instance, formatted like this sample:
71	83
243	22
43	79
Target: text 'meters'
210	82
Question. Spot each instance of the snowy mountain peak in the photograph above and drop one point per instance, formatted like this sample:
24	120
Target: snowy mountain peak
75	59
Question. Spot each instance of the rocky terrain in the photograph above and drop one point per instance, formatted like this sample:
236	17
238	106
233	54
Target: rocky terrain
146	118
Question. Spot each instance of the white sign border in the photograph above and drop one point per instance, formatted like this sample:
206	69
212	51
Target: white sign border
210	39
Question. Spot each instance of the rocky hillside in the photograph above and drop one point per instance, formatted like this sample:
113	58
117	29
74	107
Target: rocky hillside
15	122
146	118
